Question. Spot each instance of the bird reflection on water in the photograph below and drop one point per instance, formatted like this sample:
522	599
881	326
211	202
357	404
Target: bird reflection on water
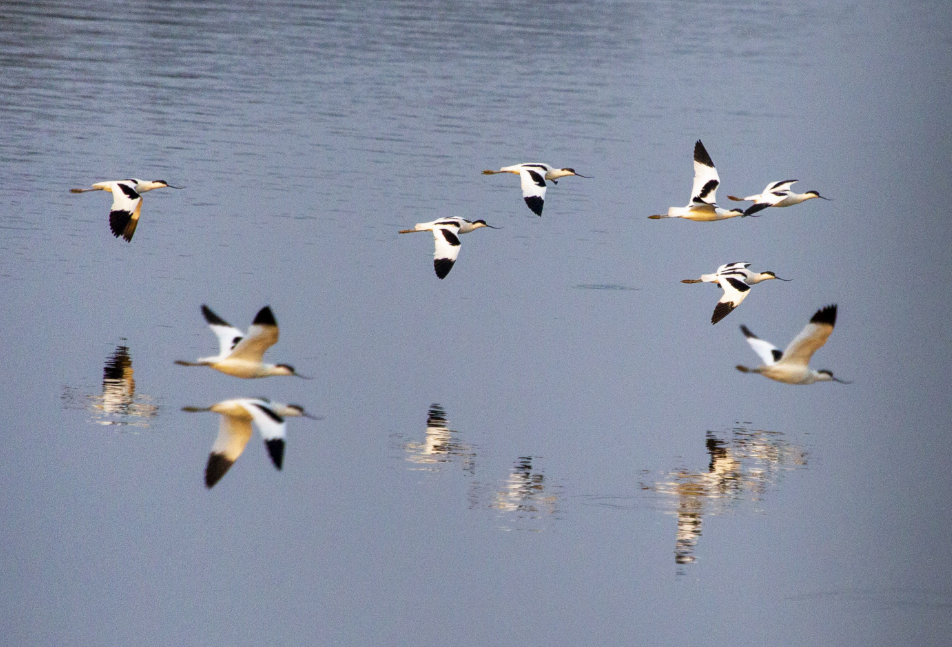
744	465
440	445
118	404
525	498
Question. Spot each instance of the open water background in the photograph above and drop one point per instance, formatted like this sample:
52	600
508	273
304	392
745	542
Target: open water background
603	475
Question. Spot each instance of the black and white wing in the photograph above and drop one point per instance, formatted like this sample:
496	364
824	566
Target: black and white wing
769	353
233	435
812	337
533	188
124	214
262	335
228	336
446	235
735	291
272	427
706	180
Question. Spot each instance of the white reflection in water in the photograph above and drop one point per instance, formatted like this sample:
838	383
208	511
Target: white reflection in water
745	464
440	445
118	404
525	500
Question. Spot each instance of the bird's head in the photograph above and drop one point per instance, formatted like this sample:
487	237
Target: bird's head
814	194
827	376
482	223
770	275
564	172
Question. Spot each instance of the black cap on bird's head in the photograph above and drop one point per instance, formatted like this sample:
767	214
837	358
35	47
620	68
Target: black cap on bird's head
769	273
817	195
483	223
830	374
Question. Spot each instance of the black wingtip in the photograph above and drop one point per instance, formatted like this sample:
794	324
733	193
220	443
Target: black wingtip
744	329
442	266
825	315
275	451
264	317
535	204
118	221
212	318
721	310
216	468
701	156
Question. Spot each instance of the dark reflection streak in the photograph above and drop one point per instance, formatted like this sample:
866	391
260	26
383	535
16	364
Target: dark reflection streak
741	468
118	404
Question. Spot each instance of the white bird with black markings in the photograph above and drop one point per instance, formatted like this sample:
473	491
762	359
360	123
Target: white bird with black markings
792	365
234	431
126	202
534	176
703	206
446	234
735	279
777	194
241	355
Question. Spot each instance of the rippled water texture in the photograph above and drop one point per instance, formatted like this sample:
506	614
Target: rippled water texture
549	446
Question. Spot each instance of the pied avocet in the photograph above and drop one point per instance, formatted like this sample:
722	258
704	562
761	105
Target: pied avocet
241	354
777	194
446	234
234	431
126	202
703	206
735	279
792	365
533	176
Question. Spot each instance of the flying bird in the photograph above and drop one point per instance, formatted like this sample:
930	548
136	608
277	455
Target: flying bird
234	431
792	365
735	279
126	202
241	355
533	178
777	194
446	234
703	206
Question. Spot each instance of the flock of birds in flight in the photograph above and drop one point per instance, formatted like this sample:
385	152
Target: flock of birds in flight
242	355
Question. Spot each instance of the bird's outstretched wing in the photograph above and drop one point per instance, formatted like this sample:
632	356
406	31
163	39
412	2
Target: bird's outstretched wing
228	336
735	291
533	189
812	337
447	247
124	214
769	353
262	335
706	180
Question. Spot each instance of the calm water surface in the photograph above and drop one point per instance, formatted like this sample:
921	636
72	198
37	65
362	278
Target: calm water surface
551	446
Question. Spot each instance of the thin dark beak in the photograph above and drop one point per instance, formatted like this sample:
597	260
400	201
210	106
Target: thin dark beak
587	177
303	377
309	416
491	227
174	187
780	279
824	198
836	379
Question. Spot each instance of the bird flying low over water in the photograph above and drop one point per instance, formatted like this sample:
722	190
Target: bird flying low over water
241	355
703	206
777	194
126	202
735	279
533	176
792	365
446	234
234	431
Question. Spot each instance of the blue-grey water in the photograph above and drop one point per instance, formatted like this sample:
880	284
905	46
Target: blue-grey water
549	447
